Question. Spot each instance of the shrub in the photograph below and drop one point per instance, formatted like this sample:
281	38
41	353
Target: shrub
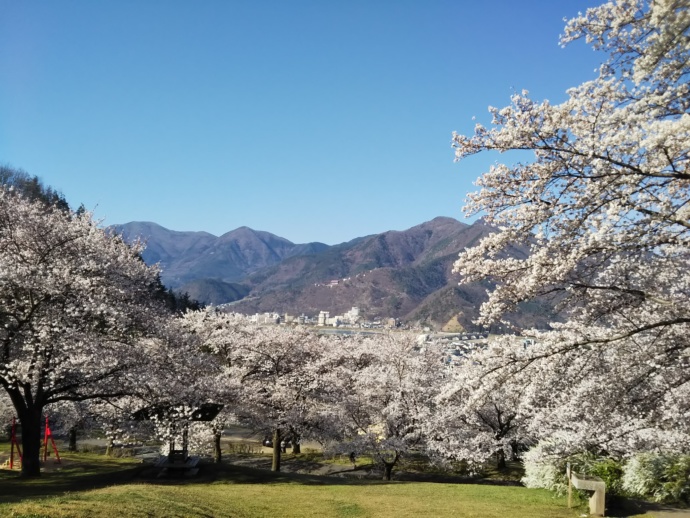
244	447
91	448
123	452
677	484
611	472
543	470
661	478
547	470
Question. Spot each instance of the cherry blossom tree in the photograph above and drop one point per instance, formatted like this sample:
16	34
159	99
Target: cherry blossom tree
70	418
6	413
75	307
386	393
270	374
472	425
605	209
113	417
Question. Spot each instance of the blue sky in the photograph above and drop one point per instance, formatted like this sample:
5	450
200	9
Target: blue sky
313	120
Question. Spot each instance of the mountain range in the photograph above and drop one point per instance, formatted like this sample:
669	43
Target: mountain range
400	274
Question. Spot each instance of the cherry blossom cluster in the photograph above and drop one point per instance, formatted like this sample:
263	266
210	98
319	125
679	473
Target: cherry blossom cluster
604	206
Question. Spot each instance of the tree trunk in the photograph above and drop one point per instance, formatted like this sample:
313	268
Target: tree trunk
31	442
388	466
515	449
109	447
217	453
275	465
501	459
296	448
72	440
387	470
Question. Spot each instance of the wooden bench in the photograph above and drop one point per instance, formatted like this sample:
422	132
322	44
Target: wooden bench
597	502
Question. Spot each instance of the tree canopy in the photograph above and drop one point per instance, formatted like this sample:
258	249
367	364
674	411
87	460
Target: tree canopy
31	187
605	208
77	315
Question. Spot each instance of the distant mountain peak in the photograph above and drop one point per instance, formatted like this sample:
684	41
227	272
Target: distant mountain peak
189	256
403	274
142	227
444	219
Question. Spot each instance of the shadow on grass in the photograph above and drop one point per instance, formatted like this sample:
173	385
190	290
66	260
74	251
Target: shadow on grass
73	478
79	475
232	474
84	477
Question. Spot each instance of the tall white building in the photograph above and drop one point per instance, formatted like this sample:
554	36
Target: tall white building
323	318
352	315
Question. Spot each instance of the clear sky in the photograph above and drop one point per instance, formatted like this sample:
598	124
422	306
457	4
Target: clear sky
314	120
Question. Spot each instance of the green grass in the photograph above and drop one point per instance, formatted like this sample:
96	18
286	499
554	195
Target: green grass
296	500
78	472
89	485
92	485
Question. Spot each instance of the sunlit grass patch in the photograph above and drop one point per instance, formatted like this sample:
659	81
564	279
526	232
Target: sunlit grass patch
120	490
296	500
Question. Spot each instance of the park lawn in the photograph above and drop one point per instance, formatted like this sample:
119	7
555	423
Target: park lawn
297	500
92	485
77	472
89	485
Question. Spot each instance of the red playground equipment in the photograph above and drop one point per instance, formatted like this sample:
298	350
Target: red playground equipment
47	436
